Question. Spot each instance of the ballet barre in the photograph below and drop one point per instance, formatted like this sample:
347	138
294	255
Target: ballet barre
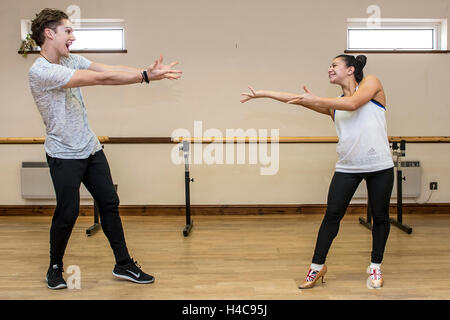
176	140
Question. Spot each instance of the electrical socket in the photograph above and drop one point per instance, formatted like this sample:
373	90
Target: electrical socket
433	185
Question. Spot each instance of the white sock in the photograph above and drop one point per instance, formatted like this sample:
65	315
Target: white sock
375	265
316	267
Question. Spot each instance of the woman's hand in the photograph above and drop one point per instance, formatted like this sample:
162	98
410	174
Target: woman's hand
306	99
250	95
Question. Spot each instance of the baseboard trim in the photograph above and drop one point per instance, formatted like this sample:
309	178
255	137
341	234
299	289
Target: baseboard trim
263	209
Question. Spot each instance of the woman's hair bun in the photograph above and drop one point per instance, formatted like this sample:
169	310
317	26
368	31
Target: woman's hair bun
362	59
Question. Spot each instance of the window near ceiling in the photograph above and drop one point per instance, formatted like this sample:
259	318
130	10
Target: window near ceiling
92	35
397	35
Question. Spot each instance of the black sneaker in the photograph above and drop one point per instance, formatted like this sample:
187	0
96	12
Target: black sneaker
132	272
54	277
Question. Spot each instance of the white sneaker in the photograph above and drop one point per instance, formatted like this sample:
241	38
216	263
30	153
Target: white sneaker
375	280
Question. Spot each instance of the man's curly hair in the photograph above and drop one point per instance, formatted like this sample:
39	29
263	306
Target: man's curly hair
47	18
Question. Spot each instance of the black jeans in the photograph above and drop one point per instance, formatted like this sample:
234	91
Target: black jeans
342	189
94	172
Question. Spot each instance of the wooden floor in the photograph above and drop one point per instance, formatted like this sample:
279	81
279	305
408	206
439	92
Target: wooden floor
229	257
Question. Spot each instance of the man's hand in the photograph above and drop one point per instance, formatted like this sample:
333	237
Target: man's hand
159	71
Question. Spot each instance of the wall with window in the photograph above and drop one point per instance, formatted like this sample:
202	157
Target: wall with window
222	47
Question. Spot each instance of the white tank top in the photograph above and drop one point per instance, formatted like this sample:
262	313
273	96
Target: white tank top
363	143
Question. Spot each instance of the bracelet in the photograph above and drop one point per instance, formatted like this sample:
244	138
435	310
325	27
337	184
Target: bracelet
145	77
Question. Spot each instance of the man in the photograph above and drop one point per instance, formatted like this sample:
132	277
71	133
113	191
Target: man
74	153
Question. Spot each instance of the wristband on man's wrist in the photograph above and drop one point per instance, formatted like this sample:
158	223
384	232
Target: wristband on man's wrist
145	77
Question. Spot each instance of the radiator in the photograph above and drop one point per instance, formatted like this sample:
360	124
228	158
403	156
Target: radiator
411	185
36	182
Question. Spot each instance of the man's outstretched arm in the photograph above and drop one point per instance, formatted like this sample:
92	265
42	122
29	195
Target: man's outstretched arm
83	78
101	74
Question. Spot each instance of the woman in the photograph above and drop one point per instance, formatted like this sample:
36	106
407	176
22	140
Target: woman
363	152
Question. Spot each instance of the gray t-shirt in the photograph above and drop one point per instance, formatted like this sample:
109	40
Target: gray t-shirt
68	135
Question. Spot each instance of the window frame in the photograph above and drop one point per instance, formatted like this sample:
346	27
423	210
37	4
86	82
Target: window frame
86	24
439	27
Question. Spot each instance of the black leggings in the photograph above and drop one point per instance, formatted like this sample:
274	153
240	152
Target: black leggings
342	189
94	172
